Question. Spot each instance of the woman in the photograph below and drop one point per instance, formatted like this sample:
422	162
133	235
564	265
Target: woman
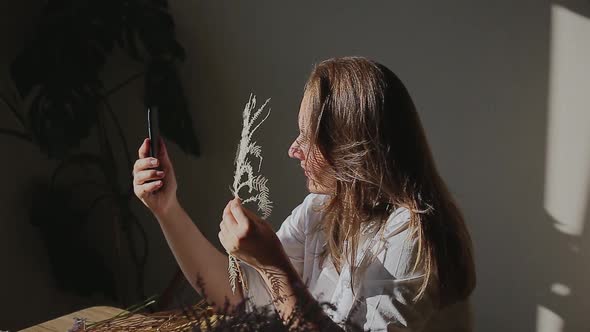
379	236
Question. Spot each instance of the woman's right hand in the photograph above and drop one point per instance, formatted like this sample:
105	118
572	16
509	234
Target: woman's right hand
156	188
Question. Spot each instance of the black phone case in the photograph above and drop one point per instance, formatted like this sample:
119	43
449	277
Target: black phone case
153	130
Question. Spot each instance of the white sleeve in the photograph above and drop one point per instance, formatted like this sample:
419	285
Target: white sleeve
292	236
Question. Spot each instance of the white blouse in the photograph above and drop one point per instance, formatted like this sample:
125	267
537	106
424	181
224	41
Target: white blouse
383	292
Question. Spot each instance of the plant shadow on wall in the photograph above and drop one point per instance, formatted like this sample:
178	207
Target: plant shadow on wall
60	100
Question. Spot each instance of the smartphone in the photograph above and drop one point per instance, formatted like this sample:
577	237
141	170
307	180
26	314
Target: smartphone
153	130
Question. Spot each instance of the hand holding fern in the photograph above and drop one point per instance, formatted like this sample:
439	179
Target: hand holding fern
249	238
252	240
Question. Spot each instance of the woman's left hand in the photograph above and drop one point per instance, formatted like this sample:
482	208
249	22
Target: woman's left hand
249	238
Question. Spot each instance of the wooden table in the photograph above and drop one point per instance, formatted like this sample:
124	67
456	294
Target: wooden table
62	324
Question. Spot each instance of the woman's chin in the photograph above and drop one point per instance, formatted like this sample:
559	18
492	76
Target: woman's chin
314	188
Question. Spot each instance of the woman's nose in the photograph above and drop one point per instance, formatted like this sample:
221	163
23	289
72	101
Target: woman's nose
295	151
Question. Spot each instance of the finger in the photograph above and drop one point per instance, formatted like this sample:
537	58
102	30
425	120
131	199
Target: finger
144	149
142	177
229	227
226	230
221	237
227	215
225	209
237	211
224	238
145	163
150	187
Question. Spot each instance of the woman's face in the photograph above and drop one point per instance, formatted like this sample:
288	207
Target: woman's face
312	163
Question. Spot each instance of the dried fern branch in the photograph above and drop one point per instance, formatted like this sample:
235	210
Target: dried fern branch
197	317
247	179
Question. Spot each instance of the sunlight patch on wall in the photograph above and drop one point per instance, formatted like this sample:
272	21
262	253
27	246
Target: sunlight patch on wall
560	289
548	321
567	177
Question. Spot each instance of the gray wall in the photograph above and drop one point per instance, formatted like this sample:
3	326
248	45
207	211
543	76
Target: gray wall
479	74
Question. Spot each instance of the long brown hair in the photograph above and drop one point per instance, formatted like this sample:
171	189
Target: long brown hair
365	125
